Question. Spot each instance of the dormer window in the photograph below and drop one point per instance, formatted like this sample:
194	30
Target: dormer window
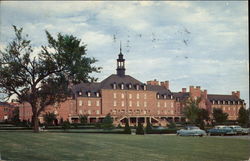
158	96
79	93
213	102
234	102
130	86
218	102
114	85
144	87
122	86
97	94
223	102
165	96
137	87
171	96
88	94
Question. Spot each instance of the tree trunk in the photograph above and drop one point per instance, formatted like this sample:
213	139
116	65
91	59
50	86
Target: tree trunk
36	124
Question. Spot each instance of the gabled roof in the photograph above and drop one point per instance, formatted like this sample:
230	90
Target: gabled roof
217	97
160	90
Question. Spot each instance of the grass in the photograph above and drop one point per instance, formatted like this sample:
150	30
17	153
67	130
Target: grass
26	146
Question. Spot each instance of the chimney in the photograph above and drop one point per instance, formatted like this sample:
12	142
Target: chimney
205	93
184	90
153	82
165	84
237	94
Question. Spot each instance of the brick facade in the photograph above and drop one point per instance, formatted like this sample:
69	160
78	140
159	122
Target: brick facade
122	96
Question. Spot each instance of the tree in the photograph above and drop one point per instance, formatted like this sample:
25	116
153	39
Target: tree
243	116
203	115
83	119
107	122
65	125
219	116
148	126
127	129
44	79
139	129
49	118
191	110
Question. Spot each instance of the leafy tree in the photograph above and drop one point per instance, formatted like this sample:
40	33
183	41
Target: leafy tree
148	126
203	115
243	116
127	129
107	122
139	129
44	79
219	116
191	110
49	118
83	119
61	121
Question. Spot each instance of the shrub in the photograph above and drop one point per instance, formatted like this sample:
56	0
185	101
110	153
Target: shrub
66	125
139	129
127	129
172	125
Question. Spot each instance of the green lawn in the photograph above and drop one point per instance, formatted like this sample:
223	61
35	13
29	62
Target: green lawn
27	146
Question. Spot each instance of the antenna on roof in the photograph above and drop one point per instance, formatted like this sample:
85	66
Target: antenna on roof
120	46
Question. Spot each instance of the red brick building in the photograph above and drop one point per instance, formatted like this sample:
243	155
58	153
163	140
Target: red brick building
123	96
6	110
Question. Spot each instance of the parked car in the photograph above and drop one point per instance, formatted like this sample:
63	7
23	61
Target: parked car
191	131
240	130
221	130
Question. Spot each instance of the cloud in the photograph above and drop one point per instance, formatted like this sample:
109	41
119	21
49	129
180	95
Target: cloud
215	55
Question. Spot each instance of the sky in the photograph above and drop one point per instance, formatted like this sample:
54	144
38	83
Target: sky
187	42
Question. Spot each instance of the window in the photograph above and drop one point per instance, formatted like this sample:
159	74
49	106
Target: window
122	95
114	95
79	93
172	104
97	94
97	112
97	103
145	104
145	96
137	87
80	103
137	96
158	96
130	96
130	86
144	87
165	104
89	103
122	103
89	112
158	104
145	112
114	103
88	94
137	104
122	86
114	86
165	96
130	103
213	102
158	112
80	111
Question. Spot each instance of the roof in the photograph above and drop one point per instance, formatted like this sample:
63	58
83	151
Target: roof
181	95
217	97
129	83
